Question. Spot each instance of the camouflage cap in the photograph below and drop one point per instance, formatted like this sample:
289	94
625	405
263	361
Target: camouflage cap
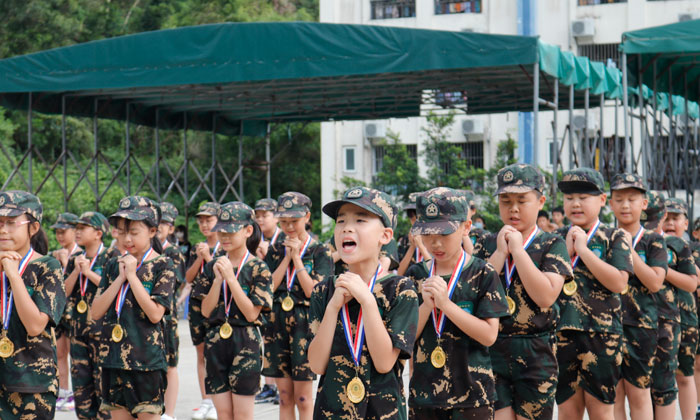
293	204
266	204
582	180
14	203
233	217
676	205
136	207
94	219
655	210
519	178
208	209
696	224
411	205
440	211
623	181
470	197
374	201
169	212
65	221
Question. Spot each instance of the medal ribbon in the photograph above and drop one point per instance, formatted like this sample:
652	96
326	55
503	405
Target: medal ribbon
437	315
165	244
291	275
213	254
510	266
7	300
355	344
227	300
419	256
275	235
594	229
83	279
121	297
638	237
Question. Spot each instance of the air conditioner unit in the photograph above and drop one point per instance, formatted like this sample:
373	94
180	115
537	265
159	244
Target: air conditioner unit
583	28
472	126
374	130
579	123
682	17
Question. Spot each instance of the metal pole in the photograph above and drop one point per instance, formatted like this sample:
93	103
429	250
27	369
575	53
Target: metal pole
655	151
625	108
555	142
128	152
186	158
63	152
29	142
586	159
535	115
213	155
240	164
686	161
267	159
158	154
672	135
571	126
97	157
615	141
602	125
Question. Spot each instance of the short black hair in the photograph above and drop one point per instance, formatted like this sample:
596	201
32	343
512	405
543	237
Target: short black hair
558	209
542	213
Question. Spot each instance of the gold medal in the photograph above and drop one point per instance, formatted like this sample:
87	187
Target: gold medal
625	290
355	390
511	305
82	307
570	288
117	333
7	347
225	330
287	304
438	357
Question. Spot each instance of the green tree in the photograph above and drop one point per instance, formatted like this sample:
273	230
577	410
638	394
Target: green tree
399	172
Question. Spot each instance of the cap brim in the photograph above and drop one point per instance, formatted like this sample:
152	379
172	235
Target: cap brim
578	187
129	215
625	186
440	227
205	213
409	207
331	209
516	189
677	211
296	214
61	226
11	212
264	209
227	227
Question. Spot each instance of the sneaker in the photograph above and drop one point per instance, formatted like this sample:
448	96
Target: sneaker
201	412
59	403
211	414
276	400
167	417
267	394
69	403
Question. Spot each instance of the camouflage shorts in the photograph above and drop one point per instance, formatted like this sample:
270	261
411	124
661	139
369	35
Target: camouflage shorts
638	349
663	378
589	361
25	406
85	375
525	369
197	327
134	391
233	364
285	348
687	350
430	413
172	341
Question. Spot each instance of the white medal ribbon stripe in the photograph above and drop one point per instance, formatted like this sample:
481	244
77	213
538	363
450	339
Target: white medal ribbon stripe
419	255
594	229
510	267
125	287
355	344
165	244
291	275
439	316
83	280
7	301
638	237
213	254
275	235
227	300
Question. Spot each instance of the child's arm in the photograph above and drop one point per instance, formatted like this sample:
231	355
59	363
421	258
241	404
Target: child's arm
610	277
102	301
406	261
154	311
485	331
421	247
203	256
249	310
687	282
32	318
72	278
651	277
498	258
543	288
320	347
424	310
278	275
212	298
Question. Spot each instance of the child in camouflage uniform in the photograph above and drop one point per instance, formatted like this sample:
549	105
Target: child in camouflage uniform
166	228
234	289
590	330
133	296
639	314
533	266
297	264
361	379
681	260
199	255
82	276
461	301
411	249
33	300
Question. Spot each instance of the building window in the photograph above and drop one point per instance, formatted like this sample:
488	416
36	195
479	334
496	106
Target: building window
601	52
473	153
393	9
349	159
380	151
446	7
594	2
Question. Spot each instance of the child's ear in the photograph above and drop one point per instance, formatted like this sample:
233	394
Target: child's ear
467	226
645	203
387	236
543	199
603	199
249	231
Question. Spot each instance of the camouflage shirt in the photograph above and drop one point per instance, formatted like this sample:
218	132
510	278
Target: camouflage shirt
476	235
403	246
83	324
548	253
255	279
196	302
680	258
32	367
467	379
317	261
142	347
639	307
593	307
179	267
398	306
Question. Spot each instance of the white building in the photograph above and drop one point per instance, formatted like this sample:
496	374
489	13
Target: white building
591	28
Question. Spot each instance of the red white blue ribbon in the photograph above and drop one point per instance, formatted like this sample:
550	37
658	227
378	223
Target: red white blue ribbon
510	265
637	237
83	280
594	229
7	300
274	235
165	244
227	300
121	297
419	256
355	344
291	275
437	315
